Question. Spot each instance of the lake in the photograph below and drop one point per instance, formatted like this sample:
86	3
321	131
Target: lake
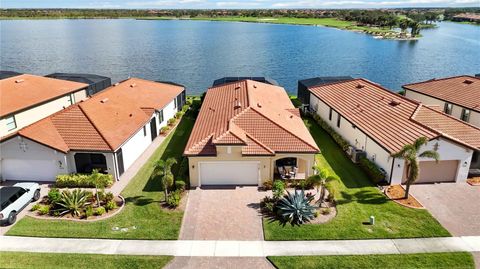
195	53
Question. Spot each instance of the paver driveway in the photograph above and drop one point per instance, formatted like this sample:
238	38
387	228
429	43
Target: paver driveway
454	205
230	213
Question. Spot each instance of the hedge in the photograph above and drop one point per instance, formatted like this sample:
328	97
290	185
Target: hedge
338	138
372	170
82	181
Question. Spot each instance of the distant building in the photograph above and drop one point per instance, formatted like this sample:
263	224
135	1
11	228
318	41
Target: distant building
26	99
303	93
95	83
471	17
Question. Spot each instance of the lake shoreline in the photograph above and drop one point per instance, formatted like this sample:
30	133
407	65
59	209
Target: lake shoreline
376	32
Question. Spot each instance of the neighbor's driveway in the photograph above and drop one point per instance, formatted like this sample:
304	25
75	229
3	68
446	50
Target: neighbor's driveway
223	214
454	205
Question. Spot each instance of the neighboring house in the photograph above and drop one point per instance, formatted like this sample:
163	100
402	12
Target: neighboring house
456	96
380	122
95	83
108	131
225	80
25	99
244	132
470	17
303	93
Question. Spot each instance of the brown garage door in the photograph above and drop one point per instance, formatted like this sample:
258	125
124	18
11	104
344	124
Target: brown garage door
431	171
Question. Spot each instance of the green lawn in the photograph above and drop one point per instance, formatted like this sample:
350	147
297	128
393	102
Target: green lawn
455	260
142	210
358	199
63	260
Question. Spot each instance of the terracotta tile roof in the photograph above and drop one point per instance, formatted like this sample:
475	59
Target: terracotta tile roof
24	91
257	115
448	126
462	90
106	120
390	119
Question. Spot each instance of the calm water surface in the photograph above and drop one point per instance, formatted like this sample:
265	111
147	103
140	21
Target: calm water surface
195	53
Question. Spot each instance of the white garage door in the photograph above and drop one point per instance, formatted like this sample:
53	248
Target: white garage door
31	170
229	173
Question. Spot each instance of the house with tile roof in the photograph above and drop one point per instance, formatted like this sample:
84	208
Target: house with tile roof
25	99
248	132
457	96
108	131
380	122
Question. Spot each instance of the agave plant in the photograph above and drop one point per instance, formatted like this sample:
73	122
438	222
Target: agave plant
295	208
73	202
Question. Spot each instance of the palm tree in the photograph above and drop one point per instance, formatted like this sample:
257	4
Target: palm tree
95	176
415	28
410	154
403	24
319	181
163	169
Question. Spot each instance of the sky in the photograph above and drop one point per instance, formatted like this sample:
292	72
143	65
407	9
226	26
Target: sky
232	4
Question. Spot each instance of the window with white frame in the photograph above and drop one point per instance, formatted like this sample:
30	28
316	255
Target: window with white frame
11	123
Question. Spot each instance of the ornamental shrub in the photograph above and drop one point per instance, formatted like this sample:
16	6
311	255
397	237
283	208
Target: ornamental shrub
110	205
180	185
88	211
83	181
99	211
336	137
278	189
171	121
53	196
173	198
185	108
164	129
179	114
372	170
35	207
44	210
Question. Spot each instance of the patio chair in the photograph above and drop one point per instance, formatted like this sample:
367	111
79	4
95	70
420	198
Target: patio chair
281	172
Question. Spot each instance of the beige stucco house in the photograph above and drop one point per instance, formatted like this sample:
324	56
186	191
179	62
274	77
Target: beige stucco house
248	132
25	99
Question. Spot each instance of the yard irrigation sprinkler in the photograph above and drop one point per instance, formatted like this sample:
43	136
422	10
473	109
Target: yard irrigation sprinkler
372	220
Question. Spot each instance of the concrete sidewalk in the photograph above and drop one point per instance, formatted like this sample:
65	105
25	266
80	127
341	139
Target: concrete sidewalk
240	248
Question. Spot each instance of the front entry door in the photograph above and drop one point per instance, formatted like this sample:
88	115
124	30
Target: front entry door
153	128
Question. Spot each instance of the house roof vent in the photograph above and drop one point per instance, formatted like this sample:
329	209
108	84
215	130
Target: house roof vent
255	86
259	105
394	103
237	88
19	80
360	86
133	85
116	84
104	100
468	81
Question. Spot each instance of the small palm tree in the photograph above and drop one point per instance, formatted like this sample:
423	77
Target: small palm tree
403	24
319	181
163	169
95	176
410	154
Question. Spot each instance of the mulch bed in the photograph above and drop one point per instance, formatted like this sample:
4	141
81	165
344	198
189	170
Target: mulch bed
397	193
118	200
475	181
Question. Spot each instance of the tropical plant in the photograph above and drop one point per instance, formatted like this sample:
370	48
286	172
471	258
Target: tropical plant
72	202
96	179
173	198
99	211
163	170
278	189
410	154
88	211
110	205
44	210
295	208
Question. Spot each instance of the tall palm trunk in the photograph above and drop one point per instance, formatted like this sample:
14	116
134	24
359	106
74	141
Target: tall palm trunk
409	180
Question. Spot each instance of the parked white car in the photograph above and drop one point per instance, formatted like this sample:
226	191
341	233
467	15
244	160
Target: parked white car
13	199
